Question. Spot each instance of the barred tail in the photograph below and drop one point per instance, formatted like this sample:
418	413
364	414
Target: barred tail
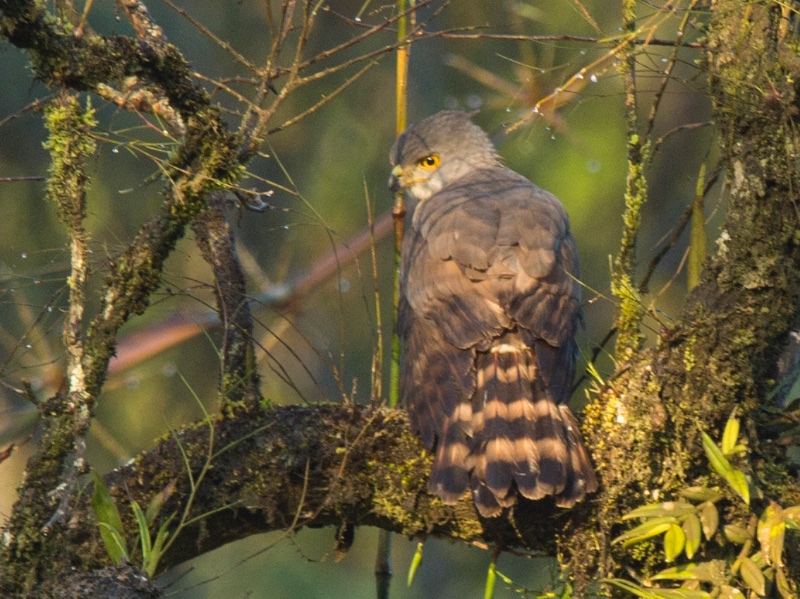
523	441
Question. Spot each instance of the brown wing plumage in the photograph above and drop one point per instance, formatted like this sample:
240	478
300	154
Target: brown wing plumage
489	309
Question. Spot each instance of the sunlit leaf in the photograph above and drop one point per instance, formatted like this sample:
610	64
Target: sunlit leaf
710	571
730	436
709	518
674	541
505	578
646	593
633	588
681	572
758	559
415	562
770	533
753	577
792	513
648	529
488	592
656	510
729	592
782	584
108	517
738	482
693	532
716	458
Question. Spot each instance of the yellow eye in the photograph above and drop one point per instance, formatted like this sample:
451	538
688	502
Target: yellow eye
430	162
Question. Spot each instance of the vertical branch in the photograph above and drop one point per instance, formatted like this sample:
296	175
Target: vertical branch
629	313
383	564
70	144
238	374
52	472
376	387
697	233
399	206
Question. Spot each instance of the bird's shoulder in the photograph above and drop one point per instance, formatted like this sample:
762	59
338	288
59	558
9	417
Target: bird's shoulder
474	218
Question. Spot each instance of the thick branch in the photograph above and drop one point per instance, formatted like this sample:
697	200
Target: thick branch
302	466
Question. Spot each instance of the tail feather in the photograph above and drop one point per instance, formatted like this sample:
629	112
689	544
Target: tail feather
449	475
582	478
496	426
523	441
497	448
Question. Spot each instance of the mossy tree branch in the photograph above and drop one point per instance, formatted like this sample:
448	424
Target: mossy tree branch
205	159
301	466
722	353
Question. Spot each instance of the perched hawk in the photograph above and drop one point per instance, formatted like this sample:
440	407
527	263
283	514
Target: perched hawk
488	310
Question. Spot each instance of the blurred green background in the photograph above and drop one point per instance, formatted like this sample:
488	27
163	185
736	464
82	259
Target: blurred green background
322	174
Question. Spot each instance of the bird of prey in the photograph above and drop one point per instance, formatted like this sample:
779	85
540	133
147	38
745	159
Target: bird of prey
489	306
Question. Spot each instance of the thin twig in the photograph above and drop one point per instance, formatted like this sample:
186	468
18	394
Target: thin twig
649	123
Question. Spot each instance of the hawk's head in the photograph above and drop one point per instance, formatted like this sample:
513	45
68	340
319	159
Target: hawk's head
437	151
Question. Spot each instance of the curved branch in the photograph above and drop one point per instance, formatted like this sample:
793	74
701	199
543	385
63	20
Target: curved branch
302	466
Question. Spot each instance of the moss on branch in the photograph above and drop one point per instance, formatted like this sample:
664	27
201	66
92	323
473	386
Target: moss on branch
298	466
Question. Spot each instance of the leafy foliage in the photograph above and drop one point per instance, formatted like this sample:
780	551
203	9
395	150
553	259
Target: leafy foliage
753	564
113	533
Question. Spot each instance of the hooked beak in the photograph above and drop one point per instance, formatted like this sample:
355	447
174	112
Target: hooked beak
395	184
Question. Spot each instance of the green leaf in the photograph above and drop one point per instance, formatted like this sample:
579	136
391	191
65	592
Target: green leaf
694	534
488	592
150	565
648	529
681	572
738	482
709	518
753	577
646	593
709	571
632	588
681	594
736	534
716	458
701	494
114	542
735	478
783	586
656	510
759	560
110	521
415	562
730	436
729	592
697	234
505	578
770	534
144	531
778	534
674	541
